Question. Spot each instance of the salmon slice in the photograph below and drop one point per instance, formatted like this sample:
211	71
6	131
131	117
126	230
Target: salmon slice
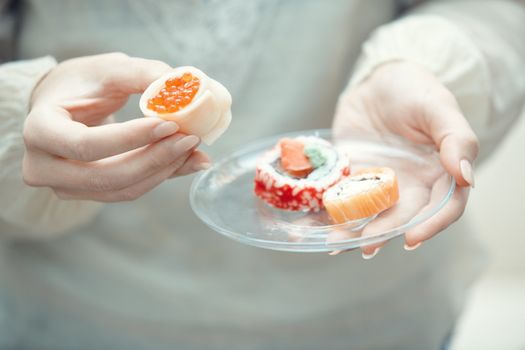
293	159
364	194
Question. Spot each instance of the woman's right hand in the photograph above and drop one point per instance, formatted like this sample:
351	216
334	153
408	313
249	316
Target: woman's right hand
73	147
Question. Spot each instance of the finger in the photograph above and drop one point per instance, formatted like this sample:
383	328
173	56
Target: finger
442	219
112	76
133	75
52	131
196	162
457	143
412	199
129	193
337	236
112	173
457	153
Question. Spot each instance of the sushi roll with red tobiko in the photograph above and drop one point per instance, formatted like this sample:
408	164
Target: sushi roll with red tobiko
295	173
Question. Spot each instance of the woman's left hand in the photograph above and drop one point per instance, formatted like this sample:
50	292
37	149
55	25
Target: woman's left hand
403	99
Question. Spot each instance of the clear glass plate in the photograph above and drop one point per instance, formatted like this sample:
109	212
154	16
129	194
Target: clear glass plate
223	196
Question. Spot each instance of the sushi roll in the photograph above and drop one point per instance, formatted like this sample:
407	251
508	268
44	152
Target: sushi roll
295	173
364	194
198	104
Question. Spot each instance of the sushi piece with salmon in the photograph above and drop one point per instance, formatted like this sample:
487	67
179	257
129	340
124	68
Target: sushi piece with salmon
198	104
296	172
364	194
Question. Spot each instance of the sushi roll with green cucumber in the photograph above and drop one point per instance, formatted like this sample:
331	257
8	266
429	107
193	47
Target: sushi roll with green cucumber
297	171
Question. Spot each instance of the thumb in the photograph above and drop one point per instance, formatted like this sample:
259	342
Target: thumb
457	143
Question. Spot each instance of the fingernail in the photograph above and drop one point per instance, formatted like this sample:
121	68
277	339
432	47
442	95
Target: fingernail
413	247
187	143
467	172
335	252
370	256
202	166
165	129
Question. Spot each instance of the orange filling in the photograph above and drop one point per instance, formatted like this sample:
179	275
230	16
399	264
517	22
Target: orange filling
176	94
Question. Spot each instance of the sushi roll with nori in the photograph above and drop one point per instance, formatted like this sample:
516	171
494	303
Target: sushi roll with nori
295	173
364	194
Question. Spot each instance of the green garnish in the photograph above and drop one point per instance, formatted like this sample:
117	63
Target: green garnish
315	155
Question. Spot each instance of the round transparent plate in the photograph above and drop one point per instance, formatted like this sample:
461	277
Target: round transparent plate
223	196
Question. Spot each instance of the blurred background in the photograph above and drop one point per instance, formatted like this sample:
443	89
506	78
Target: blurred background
494	317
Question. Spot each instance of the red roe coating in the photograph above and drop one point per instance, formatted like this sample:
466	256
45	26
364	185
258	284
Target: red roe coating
288	198
176	94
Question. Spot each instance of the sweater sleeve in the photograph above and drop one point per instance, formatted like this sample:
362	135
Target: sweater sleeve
475	48
36	212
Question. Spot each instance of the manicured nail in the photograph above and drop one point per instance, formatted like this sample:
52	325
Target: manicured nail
335	252
413	247
370	256
165	129
202	166
467	172
187	143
